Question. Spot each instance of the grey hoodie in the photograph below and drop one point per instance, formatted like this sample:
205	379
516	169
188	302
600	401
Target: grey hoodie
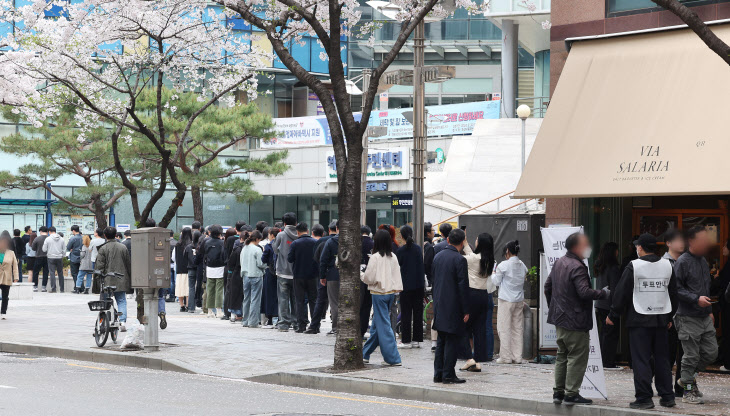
54	246
281	246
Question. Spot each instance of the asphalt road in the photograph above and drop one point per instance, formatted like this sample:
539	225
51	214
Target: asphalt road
49	386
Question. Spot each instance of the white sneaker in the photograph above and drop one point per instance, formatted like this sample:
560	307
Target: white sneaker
415	345
503	361
404	346
391	365
210	314
268	327
723	368
2	317
202	312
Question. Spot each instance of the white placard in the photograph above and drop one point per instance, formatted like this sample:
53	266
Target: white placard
594	380
383	164
121	228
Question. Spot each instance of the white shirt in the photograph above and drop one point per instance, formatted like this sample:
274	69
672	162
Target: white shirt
214	272
510	277
476	280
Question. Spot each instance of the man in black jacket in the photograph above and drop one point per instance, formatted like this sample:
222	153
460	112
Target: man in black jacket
305	274
450	299
570	302
647	292
694	319
320	307
428	253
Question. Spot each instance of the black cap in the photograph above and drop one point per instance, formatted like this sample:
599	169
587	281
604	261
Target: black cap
646	241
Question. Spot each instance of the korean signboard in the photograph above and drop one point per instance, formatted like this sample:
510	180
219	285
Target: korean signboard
401	201
383	164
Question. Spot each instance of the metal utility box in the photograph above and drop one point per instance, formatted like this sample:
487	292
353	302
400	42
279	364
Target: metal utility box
151	258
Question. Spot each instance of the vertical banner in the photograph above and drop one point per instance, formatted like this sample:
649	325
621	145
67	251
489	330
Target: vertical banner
594	380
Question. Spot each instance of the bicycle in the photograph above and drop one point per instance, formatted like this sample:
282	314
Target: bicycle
107	323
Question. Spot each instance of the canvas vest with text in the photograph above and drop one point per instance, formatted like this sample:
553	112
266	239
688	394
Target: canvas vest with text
651	287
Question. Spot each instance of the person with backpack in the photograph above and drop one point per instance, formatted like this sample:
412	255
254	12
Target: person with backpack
284	273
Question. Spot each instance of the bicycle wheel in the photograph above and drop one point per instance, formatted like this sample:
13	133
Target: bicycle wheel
114	333
101	329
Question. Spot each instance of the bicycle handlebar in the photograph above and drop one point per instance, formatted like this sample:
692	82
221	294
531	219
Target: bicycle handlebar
110	274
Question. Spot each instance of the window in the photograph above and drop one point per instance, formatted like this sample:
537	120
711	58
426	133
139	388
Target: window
624	7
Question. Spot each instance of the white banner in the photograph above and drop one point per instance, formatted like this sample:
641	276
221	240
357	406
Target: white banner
383	164
594	380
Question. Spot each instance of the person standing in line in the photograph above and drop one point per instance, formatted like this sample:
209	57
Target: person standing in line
445	230
410	258
55	251
200	279
214	258
305	273
230	237
366	299
127	242
510	278
269	299
97	241
607	275
647	292
74	254
181	268
428	251
694	319
41	259
19	250
252	272
320	307
329	275
8	274
722	284
570	308
674	241
113	257
85	267
451	306
192	268
383	278
30	259
284	273
480	263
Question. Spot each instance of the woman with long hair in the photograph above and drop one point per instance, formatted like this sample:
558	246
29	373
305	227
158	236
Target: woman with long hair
510	277
230	237
391	232
412	271
607	268
86	267
480	264
269	295
383	278
30	259
181	268
8	273
252	272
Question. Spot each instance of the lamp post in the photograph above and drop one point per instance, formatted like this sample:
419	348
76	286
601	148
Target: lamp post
419	133
523	112
365	139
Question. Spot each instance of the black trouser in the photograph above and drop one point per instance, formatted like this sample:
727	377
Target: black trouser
366	305
645	344
411	307
75	271
444	362
40	263
5	290
608	338
199	276
725	327
320	308
476	326
305	292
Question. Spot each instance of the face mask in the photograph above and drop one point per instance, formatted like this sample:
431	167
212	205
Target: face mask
587	253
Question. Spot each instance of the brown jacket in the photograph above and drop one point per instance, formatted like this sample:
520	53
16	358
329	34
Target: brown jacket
9	269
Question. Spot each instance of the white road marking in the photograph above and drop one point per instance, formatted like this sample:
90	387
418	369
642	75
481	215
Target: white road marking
6	387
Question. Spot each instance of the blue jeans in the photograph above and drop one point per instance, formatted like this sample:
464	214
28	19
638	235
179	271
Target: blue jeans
252	287
161	300
121	298
171	290
490	329
286	299
80	278
381	333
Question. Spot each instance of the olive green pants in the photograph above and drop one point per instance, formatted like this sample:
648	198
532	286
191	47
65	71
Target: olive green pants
571	361
214	289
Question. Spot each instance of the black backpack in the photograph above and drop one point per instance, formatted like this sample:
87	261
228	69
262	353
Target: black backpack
214	254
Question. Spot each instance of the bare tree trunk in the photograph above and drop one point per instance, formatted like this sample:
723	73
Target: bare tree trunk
99	211
197	203
695	23
348	346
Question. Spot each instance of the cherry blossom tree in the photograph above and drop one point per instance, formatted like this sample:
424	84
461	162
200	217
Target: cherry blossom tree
284	21
100	56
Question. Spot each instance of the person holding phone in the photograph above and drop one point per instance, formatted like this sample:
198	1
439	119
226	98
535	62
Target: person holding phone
694	319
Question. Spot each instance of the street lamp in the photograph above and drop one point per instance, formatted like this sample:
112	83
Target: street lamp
523	112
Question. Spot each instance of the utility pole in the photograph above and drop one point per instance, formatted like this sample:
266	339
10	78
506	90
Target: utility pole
419	133
365	139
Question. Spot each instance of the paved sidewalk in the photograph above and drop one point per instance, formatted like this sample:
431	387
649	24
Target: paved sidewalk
215	347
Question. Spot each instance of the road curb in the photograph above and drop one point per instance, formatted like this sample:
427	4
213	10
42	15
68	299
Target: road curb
97	356
367	387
